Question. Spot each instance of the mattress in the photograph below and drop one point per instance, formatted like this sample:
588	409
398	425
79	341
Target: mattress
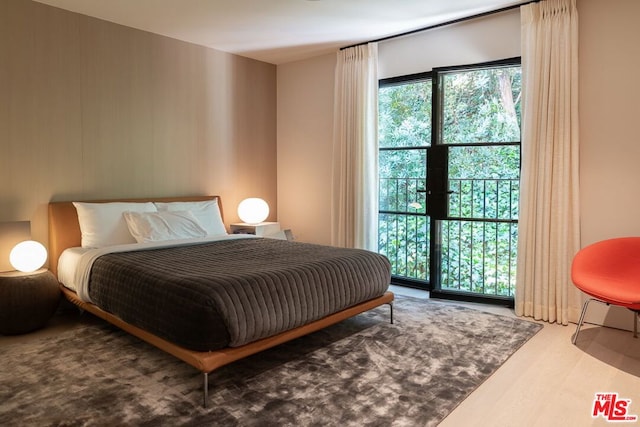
208	295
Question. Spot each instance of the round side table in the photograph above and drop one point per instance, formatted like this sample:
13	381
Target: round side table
27	300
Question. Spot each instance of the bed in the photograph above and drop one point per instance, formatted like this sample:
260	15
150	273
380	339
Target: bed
205	297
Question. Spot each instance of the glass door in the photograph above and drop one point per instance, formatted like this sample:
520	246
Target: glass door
449	191
477	237
405	137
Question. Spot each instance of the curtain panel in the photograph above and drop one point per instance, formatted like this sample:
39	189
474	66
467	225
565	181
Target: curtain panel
549	220
355	149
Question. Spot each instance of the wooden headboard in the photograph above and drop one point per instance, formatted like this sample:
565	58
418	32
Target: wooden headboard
64	229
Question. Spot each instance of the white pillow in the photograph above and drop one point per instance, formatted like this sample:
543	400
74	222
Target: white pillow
206	212
159	226
102	224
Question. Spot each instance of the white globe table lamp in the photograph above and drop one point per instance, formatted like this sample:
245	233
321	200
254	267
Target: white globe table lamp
28	256
253	210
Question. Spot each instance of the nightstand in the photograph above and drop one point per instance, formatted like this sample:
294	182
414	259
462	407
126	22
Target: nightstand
27	300
263	229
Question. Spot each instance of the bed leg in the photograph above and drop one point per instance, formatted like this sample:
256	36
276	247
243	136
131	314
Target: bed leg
205	390
390	312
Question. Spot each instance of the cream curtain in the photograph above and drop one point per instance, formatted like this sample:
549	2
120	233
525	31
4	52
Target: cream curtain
355	149
549	222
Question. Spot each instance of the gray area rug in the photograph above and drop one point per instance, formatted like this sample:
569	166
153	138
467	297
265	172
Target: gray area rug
362	371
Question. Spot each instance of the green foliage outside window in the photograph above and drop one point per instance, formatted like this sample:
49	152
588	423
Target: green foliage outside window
481	106
405	115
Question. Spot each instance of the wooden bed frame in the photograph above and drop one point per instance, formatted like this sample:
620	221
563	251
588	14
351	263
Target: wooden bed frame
64	232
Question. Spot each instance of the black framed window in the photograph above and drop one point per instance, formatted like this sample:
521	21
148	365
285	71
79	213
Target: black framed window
449	178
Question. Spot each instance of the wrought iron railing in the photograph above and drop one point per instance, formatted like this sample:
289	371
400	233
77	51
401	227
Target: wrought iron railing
403	228
479	241
404	239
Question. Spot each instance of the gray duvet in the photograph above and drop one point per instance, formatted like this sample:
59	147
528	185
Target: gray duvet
228	293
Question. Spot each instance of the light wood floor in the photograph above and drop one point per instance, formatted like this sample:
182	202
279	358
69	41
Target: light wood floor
548	382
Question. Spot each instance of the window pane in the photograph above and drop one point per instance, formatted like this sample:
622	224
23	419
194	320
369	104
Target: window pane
404	239
481	106
484	182
402	174
479	257
405	115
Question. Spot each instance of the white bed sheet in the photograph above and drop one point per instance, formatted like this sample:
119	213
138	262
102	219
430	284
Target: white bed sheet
75	263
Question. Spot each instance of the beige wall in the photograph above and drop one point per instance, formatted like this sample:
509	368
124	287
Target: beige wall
609	138
609	60
90	109
305	134
475	41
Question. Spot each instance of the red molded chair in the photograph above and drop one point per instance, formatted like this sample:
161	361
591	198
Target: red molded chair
609	271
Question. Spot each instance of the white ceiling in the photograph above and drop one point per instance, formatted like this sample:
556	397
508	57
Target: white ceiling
278	31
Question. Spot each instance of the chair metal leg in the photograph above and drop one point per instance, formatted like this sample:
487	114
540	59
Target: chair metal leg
584	311
636	318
